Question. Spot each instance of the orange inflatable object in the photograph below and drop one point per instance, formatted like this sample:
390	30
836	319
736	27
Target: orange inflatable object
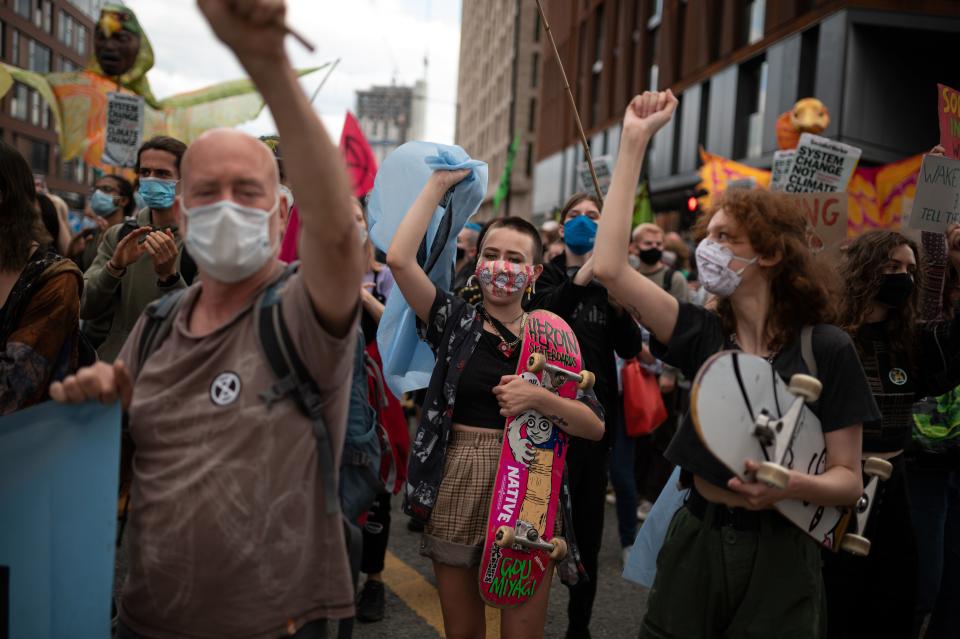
808	115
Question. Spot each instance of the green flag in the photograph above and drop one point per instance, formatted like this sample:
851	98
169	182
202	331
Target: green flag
504	186
642	209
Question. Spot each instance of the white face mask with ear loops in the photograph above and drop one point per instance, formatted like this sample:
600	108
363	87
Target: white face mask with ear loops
229	242
713	268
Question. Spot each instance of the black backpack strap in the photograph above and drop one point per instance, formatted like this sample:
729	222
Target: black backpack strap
668	279
806	349
293	379
160	315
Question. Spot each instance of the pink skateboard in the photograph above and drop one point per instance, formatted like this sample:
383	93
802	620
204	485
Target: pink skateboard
519	543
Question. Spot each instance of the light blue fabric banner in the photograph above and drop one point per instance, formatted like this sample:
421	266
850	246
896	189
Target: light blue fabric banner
641	566
59	469
408	362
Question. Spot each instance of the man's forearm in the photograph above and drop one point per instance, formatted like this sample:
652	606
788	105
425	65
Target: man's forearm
311	160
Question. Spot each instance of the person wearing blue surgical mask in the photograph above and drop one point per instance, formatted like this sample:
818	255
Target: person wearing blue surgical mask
567	288
141	256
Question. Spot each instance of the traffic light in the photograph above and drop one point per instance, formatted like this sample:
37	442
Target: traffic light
689	217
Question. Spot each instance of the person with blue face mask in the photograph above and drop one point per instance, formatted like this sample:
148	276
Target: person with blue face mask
567	287
141	257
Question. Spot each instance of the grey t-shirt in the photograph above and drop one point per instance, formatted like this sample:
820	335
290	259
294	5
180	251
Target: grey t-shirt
228	534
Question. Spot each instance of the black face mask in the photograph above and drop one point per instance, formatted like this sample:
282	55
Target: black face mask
651	256
895	289
461	253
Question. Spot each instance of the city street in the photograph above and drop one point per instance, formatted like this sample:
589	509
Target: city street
413	609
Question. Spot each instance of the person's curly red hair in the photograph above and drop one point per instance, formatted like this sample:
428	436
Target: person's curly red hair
800	285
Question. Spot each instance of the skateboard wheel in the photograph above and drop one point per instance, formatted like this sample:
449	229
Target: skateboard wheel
876	467
504	537
559	551
855	545
773	474
806	387
536	363
587	380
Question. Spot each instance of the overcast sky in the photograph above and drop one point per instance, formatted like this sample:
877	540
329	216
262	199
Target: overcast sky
376	40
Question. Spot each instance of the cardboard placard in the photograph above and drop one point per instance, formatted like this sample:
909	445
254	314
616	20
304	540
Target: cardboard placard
948	108
827	215
780	169
124	129
821	165
602	166
937	201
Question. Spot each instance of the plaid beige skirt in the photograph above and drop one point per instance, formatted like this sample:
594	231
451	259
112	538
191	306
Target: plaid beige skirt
458	525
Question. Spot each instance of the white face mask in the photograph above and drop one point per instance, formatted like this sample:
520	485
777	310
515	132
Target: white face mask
713	268
229	242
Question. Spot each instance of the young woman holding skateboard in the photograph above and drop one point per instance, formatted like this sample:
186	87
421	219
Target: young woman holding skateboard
455	453
729	565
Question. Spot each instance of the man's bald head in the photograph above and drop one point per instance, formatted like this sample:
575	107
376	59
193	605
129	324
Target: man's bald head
221	145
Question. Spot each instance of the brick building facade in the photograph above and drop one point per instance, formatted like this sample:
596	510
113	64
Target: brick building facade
736	65
45	36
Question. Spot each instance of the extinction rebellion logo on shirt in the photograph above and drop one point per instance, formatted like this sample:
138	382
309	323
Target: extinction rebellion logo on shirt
898	376
225	389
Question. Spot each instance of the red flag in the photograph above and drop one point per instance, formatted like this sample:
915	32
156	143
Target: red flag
361	162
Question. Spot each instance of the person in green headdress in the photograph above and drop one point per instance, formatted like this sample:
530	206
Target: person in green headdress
121	59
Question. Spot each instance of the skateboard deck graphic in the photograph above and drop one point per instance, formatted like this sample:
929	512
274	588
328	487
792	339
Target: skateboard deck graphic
523	508
731	390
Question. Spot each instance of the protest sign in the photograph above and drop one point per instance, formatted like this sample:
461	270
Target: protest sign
59	469
124	133
949	110
602	166
782	161
827	215
937	201
821	165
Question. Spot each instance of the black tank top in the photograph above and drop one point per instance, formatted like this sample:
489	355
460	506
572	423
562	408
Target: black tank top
476	405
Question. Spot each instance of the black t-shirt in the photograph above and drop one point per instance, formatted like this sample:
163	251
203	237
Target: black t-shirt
845	400
476	404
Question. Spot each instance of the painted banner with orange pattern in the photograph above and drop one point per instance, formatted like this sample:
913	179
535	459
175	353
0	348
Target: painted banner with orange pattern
876	195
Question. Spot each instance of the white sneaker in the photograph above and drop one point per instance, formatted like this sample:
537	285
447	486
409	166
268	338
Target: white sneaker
643	510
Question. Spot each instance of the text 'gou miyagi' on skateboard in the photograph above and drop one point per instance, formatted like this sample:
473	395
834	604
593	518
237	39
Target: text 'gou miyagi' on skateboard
742	410
520	544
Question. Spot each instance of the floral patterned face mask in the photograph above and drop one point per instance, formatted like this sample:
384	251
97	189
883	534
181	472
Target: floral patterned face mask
503	279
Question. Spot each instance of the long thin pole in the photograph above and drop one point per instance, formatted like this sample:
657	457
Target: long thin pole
573	104
333	66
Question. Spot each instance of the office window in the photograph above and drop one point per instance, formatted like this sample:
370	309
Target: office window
15	48
38	57
751	104
48	16
530	160
755	16
536	27
36	105
19	101
656	14
535	71
68	65
596	71
39	157
532	116
3	40
81	39
24	8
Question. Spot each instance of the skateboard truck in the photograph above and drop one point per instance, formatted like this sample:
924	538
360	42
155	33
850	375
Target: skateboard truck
537	363
526	537
877	470
772	432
